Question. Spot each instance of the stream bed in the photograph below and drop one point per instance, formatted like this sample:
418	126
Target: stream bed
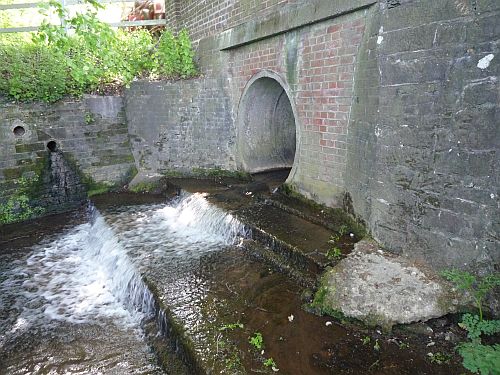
94	291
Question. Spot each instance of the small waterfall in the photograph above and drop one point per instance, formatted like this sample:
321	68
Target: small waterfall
125	282
193	216
84	276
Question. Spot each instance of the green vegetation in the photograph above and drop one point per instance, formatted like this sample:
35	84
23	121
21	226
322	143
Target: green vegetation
233	361
318	305
477	287
476	327
343	230
93	187
403	345
173	174
439	358
20	206
89	118
338	219
270	363
257	341
334	253
90	59
319	298
231	326
227	351
219	173
99	188
144	187
477	357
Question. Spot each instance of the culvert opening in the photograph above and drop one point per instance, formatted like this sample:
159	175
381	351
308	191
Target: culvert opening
52	146
19	131
266	127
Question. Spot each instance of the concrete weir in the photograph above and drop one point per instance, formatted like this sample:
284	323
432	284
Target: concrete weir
223	265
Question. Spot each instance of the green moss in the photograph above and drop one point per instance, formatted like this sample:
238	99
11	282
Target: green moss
27	184
93	187
340	217
319	297
99	188
129	176
89	118
219	172
21	148
21	205
233	361
115	159
12	173
173	174
144	187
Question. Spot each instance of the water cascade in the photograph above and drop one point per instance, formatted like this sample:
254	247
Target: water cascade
90	274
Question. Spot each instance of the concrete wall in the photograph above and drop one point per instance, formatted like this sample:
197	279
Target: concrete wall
395	103
91	133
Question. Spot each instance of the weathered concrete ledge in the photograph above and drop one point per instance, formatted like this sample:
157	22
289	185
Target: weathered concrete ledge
289	19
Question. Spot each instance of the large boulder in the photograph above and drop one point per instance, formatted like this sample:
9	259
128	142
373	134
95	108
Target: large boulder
384	289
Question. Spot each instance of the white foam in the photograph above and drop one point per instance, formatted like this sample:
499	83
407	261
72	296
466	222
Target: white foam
485	61
87	273
83	275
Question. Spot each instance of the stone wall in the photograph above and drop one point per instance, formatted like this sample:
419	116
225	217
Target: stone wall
395	104
424	135
180	126
91	133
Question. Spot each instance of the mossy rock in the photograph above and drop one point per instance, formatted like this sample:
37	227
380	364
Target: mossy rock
382	289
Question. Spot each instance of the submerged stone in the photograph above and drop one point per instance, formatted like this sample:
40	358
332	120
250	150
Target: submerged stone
384	289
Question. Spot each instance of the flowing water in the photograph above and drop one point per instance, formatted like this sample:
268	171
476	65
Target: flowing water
74	300
75	303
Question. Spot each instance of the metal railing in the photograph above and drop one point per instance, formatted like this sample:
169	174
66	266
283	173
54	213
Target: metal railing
67	3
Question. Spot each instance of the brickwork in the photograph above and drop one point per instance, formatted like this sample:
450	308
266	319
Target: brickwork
324	97
180	126
206	18
91	132
320	76
171	14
